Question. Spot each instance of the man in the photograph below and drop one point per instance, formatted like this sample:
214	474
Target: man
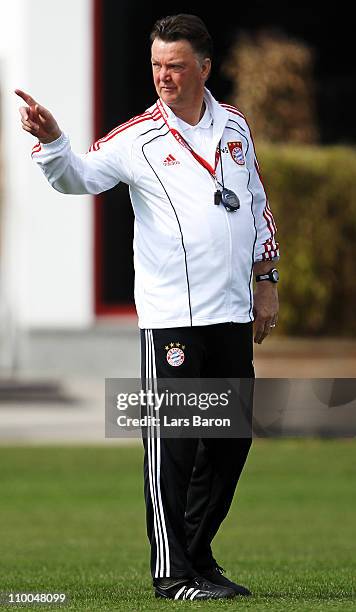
202	227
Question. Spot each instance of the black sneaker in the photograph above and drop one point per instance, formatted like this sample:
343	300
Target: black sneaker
215	575
191	588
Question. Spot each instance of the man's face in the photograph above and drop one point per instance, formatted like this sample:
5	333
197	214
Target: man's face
179	74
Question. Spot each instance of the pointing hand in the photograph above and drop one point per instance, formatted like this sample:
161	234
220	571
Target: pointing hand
37	120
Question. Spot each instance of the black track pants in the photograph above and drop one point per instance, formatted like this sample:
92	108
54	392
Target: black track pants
190	483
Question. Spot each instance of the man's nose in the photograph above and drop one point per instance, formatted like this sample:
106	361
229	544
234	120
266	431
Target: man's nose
164	74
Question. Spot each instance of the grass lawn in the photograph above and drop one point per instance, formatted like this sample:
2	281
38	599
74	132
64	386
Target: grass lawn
72	521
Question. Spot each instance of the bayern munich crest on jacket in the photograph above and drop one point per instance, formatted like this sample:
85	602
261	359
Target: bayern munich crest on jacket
236	152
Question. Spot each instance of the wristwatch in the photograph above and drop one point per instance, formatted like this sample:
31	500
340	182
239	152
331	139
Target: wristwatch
272	276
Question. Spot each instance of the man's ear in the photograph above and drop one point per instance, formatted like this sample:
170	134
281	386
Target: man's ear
206	68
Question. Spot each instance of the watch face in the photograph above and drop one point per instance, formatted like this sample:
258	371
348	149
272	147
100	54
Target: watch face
275	275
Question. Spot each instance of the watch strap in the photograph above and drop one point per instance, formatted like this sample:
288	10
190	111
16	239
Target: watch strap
271	276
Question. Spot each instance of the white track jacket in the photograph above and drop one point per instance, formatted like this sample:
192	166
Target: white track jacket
193	259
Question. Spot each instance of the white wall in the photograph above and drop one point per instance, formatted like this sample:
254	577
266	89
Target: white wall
46	259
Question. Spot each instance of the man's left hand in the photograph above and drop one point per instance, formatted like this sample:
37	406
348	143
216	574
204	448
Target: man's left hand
265	309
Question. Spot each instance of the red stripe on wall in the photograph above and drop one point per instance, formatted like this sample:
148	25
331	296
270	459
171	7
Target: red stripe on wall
97	128
100	308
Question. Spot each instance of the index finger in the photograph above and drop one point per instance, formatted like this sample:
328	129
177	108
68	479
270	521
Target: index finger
26	97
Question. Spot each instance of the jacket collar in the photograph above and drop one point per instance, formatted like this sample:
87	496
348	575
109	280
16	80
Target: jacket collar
218	113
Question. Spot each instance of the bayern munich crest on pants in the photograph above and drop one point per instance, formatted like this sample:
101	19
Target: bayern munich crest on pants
175	356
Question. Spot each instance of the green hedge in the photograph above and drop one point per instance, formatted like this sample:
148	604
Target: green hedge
312	193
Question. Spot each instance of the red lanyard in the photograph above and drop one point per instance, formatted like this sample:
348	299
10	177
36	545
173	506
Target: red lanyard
186	145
